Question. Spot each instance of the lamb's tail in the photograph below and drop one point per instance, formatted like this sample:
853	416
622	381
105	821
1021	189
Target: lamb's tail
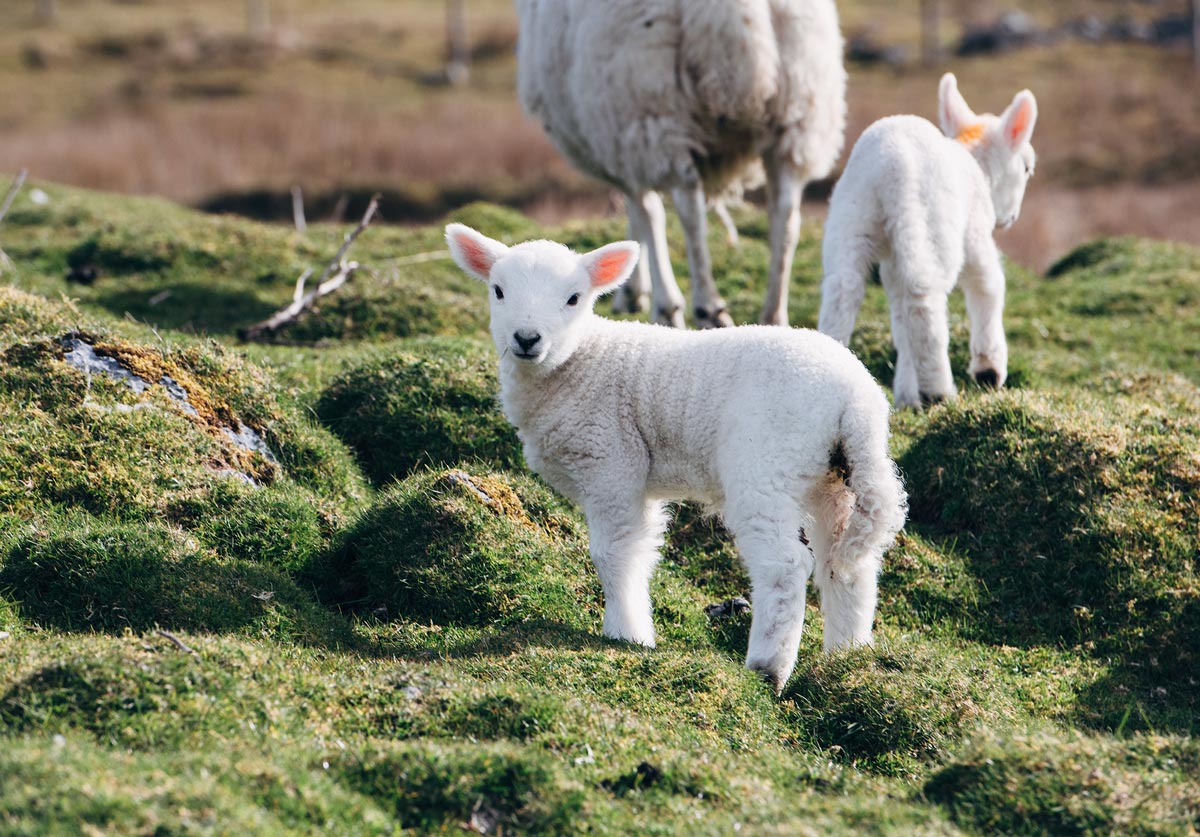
847	257
865	506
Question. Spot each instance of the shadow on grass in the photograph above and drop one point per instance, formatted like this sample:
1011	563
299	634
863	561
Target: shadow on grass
197	307
113	577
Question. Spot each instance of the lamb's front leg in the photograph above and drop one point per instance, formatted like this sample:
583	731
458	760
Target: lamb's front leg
625	538
983	286
779	565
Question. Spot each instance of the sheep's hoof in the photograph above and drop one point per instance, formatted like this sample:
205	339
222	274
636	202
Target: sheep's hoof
929	400
988	378
713	319
672	317
630	303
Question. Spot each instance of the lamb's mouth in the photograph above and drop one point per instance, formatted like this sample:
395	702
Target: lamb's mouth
532	357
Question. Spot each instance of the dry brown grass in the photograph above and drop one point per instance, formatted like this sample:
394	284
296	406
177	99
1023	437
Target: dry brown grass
153	98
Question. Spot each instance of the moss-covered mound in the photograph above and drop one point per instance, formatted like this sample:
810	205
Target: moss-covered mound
457	548
79	573
1080	519
433	404
1048	782
888	709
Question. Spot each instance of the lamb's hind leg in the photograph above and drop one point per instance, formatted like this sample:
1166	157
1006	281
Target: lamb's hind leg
646	213
849	590
982	282
779	565
624	542
707	304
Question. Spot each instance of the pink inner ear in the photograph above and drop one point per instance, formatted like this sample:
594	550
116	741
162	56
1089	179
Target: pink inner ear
1020	122
477	257
608	268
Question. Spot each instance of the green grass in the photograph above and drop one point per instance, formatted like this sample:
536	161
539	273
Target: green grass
396	626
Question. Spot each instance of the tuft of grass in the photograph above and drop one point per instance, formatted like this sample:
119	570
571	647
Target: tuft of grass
433	404
1051	782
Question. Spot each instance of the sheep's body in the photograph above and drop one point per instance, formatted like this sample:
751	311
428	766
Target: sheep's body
683	95
622	418
923	206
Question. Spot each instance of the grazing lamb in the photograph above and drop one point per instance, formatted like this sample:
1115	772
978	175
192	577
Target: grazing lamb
923	205
683	95
621	418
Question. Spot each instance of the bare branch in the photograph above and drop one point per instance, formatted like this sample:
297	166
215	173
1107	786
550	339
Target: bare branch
11	195
298	210
179	643
336	274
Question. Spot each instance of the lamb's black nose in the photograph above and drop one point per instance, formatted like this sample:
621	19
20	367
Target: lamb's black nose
527	340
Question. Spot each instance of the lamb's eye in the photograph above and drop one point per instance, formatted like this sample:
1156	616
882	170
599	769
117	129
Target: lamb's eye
574	300
499	293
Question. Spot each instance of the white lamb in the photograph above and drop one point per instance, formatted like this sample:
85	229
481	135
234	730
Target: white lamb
622	417
922	204
684	95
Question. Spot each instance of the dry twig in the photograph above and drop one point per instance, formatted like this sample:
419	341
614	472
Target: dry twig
9	197
336	274
176	641
298	210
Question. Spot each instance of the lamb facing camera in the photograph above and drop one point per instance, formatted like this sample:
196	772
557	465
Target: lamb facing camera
922	204
622	418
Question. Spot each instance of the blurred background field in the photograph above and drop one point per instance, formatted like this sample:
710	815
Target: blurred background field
228	104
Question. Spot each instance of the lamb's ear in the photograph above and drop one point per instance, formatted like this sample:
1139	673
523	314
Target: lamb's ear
611	265
1018	120
473	251
954	114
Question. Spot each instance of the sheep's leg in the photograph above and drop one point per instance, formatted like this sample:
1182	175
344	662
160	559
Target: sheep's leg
983	286
707	304
785	185
646	213
779	565
634	296
848	592
624	541
905	391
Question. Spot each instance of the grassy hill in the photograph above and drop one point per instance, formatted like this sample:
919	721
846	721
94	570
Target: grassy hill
377	620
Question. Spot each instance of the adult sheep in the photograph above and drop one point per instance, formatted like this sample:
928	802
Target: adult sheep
620	418
685	95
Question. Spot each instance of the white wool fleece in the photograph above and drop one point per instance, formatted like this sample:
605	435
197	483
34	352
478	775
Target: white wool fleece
685	95
922	204
622	417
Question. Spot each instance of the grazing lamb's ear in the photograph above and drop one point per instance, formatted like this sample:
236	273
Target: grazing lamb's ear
955	115
1018	120
474	252
611	265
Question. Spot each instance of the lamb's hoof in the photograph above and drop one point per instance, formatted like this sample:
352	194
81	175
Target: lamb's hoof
771	678
631	304
713	319
672	317
929	400
988	378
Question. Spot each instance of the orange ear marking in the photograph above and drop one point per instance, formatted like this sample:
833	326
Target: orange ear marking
608	267
971	134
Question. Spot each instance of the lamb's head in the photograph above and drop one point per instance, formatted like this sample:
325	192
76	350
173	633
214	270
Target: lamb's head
999	143
541	293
